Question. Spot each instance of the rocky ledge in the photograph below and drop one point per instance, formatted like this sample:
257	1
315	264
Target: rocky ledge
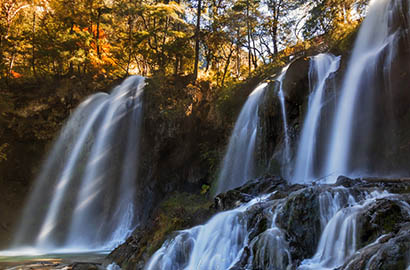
380	208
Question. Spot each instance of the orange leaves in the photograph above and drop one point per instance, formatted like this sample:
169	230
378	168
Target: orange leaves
15	74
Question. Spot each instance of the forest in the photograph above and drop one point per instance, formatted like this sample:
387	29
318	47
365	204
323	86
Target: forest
217	40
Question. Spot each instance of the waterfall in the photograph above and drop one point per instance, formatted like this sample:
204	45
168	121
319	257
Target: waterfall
215	245
338	239
270	249
331	202
321	67
356	112
238	164
83	198
286	151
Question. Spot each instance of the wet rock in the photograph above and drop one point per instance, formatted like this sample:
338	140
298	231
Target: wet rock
295	84
300	218
393	185
86	266
383	217
263	185
389	253
296	92
383	225
240	265
347	182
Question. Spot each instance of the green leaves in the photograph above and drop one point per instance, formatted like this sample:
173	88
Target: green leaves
46	38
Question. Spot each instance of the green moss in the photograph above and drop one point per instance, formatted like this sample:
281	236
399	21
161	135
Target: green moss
179	211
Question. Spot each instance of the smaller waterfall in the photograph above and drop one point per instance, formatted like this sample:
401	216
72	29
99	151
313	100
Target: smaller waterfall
215	245
331	202
338	239
221	242
272	249
238	164
83	198
286	151
321	67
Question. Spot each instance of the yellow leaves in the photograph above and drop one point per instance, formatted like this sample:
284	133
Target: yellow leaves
178	34
172	11
3	155
142	34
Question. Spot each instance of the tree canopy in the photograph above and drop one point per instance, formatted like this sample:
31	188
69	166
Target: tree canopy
222	39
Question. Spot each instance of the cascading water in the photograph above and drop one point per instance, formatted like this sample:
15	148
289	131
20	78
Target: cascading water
353	134
331	202
321	68
270	249
215	245
238	163
286	150
229	239
84	196
338	239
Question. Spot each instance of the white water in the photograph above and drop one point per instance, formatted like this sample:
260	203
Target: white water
216	245
272	249
83	198
331	202
113	266
238	164
338	239
321	67
286	152
374	47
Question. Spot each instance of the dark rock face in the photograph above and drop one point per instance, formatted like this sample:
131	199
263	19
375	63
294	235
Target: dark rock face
296	92
300	218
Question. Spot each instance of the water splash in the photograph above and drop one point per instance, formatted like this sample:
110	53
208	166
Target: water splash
321	67
83	198
238	163
113	266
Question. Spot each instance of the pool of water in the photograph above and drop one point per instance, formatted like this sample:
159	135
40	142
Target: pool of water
59	261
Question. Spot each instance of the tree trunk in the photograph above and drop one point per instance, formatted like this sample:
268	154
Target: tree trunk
238	56
130	28
275	41
197	32
249	38
228	61
33	59
97	34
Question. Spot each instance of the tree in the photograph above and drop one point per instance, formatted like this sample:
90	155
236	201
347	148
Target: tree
197	37
330	15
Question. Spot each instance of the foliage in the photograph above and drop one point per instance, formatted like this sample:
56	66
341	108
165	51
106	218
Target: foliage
334	16
103	39
3	149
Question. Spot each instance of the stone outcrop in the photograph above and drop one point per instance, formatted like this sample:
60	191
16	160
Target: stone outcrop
383	225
